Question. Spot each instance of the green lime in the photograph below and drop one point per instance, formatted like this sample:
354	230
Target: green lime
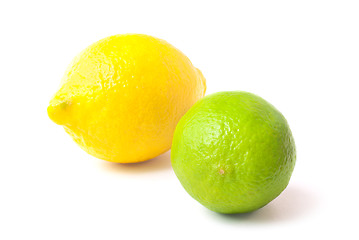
233	152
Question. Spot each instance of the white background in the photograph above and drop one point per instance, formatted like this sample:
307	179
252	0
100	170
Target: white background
302	56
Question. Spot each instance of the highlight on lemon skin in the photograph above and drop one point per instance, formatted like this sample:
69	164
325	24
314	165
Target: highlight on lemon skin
122	97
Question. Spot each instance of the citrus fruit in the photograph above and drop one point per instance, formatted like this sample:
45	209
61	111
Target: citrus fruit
122	97
233	152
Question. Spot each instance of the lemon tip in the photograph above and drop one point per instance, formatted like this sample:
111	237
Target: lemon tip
57	112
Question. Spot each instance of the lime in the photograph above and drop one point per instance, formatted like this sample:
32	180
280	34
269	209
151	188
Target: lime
233	152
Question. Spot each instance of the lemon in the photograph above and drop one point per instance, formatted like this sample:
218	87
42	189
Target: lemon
233	152
121	98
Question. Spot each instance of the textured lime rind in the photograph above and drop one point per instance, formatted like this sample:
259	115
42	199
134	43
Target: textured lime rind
233	152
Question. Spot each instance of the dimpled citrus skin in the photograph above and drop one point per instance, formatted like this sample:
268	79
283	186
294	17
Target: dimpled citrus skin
121	98
233	152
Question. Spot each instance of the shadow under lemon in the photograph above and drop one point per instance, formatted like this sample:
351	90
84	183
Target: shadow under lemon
159	163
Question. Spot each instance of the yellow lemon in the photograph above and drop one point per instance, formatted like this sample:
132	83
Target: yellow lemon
122	97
